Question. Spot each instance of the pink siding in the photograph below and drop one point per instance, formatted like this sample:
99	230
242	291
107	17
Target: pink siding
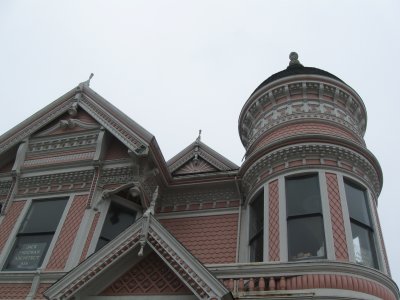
9	221
335	206
273	221
116	150
212	239
41	289
10	291
151	276
305	128
68	233
90	236
330	281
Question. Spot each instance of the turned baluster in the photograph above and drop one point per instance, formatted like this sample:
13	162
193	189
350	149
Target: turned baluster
261	284
241	285
251	284
271	284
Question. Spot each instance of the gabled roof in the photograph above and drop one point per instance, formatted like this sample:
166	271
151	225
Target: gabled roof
199	158
188	269
135	137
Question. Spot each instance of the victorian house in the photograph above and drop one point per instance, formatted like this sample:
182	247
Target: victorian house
91	210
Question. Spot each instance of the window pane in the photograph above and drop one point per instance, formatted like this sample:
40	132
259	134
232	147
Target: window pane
303	195
356	201
117	220
43	216
363	244
306	238
256	215
28	252
256	248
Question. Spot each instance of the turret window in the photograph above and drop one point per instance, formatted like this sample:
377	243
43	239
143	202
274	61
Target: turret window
256	228
305	228
361	225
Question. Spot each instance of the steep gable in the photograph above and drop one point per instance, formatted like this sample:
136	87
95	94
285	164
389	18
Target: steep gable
198	158
116	258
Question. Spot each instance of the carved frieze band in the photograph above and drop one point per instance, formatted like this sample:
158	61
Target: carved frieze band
64	143
55	182
198	196
117	175
5	187
265	167
126	135
293	101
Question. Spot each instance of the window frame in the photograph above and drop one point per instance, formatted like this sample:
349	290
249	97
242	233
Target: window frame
322	213
258	195
104	208
12	239
371	230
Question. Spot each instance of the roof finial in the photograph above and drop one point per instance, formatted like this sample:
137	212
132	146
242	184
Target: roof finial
199	137
294	59
87	82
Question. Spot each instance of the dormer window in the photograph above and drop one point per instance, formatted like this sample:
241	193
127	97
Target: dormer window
118	218
35	234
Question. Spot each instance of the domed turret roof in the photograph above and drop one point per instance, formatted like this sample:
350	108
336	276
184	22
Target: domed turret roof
296	68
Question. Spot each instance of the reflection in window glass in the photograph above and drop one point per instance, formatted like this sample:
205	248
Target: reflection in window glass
306	238
256	228
35	234
361	225
117	220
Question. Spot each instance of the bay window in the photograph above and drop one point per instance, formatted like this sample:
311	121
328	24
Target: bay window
305	230
35	234
361	224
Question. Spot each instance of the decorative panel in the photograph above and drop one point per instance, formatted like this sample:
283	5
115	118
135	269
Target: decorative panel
335	206
151	276
273	227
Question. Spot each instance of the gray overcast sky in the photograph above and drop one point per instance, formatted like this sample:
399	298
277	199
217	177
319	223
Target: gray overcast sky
179	66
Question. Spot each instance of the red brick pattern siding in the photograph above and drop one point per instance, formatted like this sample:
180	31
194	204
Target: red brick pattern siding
10	291
116	150
273	228
211	239
41	289
68	233
151	276
335	206
345	282
9	221
305	128
90	236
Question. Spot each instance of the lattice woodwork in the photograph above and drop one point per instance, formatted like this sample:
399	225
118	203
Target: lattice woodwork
274	221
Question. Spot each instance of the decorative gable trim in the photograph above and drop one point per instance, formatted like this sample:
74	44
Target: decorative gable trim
199	149
192	273
68	123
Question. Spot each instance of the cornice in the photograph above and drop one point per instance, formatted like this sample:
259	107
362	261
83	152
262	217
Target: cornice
261	167
334	101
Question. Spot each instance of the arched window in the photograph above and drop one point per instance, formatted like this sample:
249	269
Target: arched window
361	224
305	227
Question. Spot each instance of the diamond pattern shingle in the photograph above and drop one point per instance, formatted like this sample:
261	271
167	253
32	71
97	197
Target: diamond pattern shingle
211	239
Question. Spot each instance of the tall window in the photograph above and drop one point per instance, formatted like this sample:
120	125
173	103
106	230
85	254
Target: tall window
256	228
305	229
361	225
35	234
117	220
